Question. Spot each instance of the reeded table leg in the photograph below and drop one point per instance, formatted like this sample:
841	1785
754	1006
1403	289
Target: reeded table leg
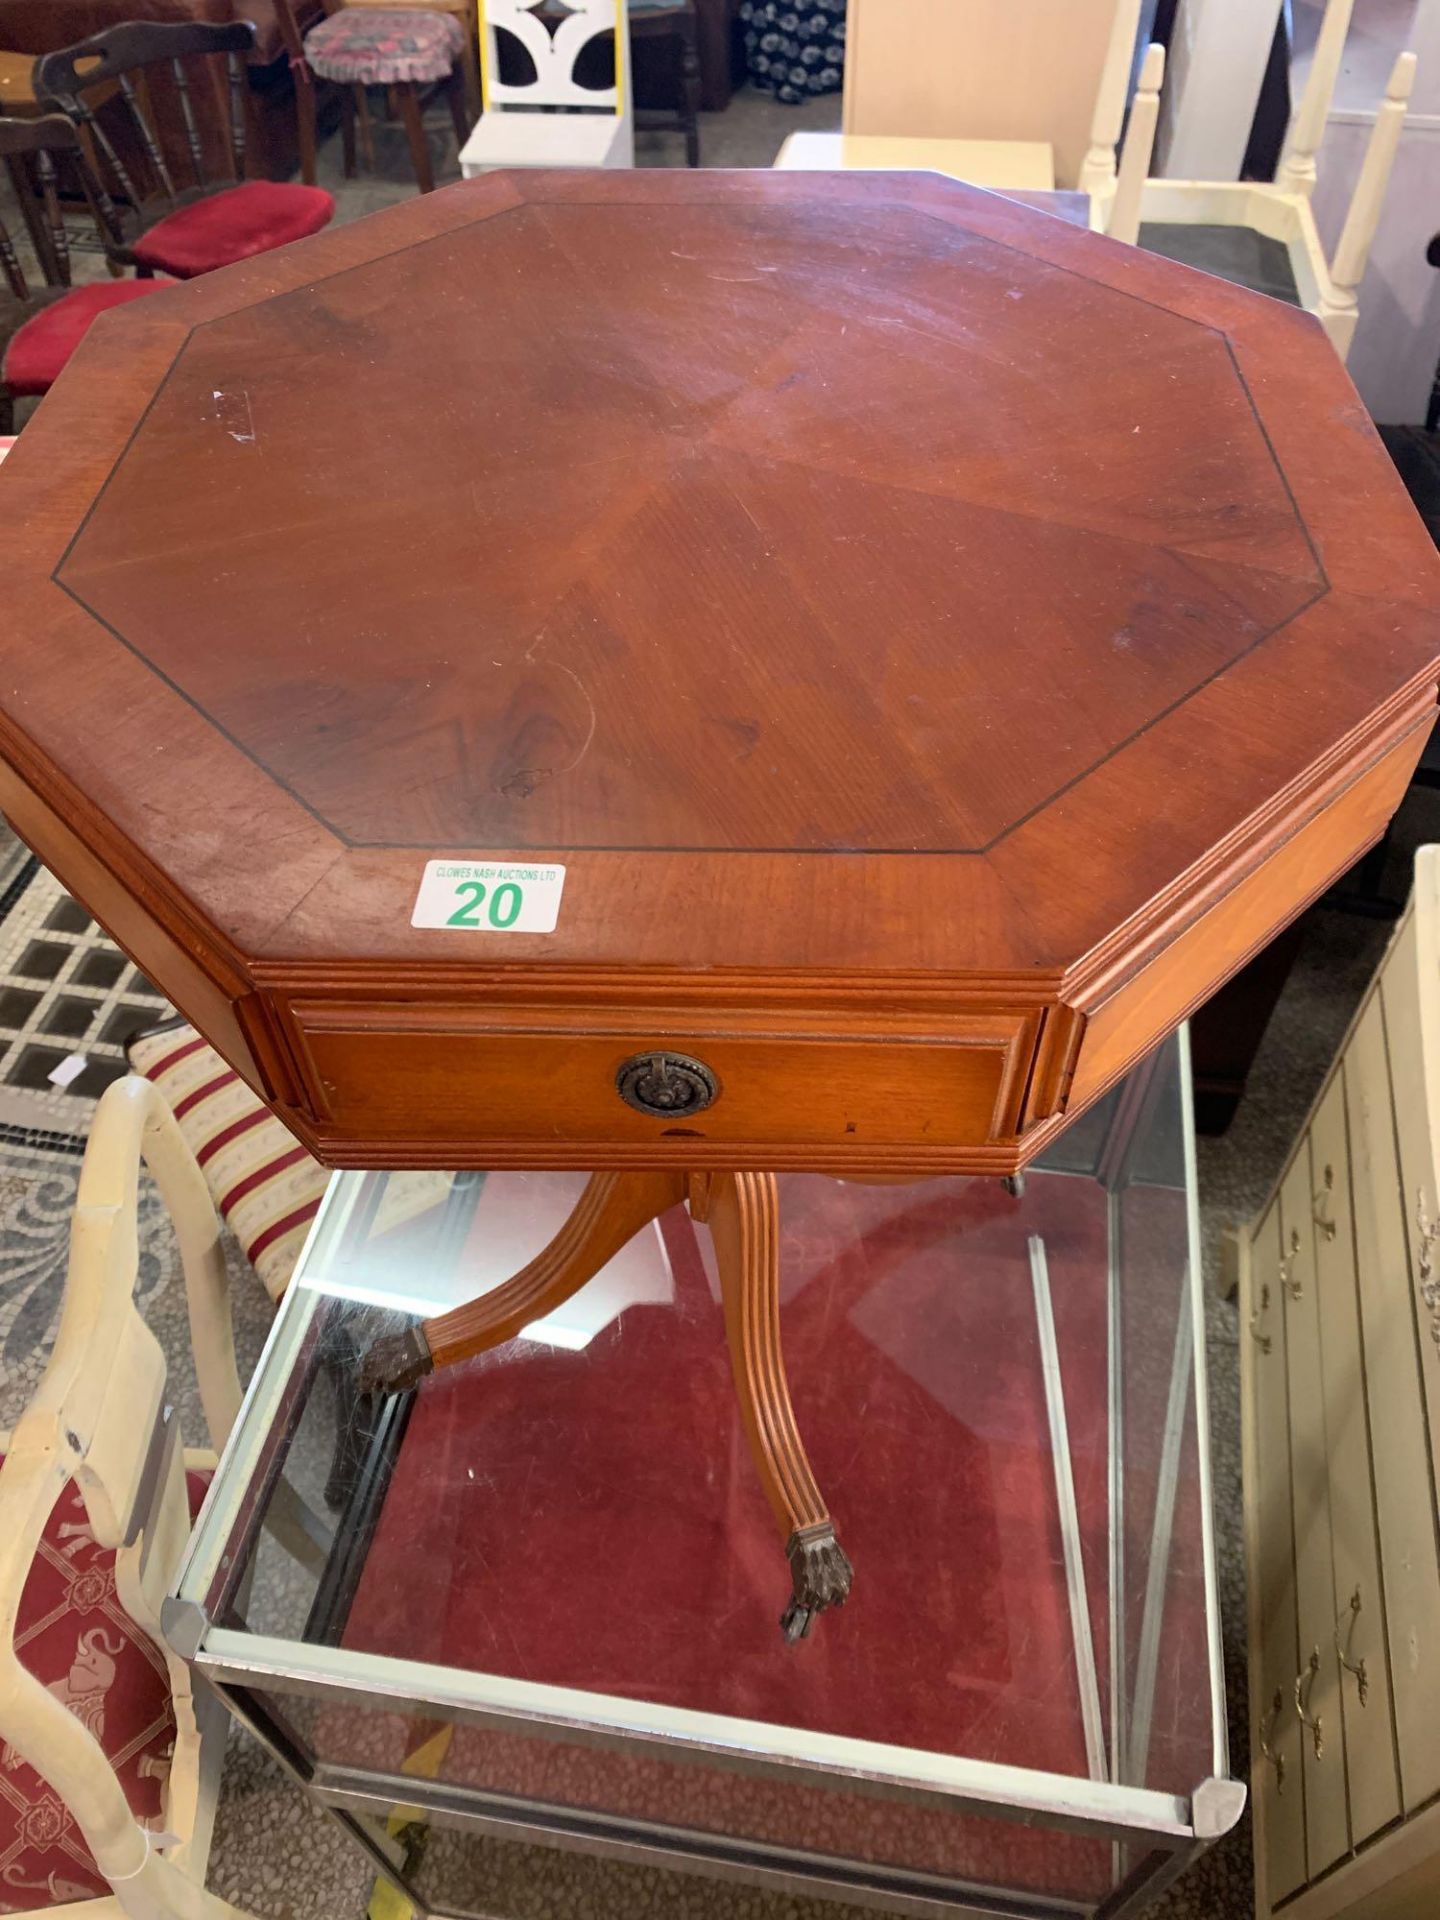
612	1210
742	1211
743	1214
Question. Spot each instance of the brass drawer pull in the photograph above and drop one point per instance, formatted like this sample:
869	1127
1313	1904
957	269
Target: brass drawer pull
1429	1284
1343	1648
1267	1734
1304	1687
1295	1288
1320	1204
670	1086
1262	1340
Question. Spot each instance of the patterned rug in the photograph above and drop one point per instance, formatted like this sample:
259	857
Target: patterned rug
68	1000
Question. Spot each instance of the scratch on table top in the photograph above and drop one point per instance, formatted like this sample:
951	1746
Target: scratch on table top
232	408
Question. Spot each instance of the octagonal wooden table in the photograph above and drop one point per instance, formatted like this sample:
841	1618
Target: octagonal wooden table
685	675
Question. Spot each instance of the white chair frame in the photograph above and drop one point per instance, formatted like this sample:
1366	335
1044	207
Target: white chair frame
508	135
98	1418
1115	199
927	68
1117	211
555	57
1282	210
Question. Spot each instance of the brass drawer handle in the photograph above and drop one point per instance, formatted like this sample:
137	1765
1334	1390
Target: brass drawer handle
1343	1648
1304	1687
1429	1284
1267	1734
669	1086
1295	1288
1262	1340
1320	1204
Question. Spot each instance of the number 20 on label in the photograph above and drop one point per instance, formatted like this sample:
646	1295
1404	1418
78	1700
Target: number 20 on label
489	896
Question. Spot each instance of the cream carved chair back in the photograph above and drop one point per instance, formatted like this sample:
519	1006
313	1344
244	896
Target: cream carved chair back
554	56
99	1420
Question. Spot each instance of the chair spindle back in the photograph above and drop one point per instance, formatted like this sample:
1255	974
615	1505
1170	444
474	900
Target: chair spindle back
39	139
119	60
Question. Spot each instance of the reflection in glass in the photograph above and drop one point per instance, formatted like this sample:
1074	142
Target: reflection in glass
998	1395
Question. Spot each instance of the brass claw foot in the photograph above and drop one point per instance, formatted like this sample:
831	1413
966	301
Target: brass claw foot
821	1576
395	1361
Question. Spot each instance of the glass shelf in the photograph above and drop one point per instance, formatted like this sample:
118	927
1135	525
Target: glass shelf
538	1598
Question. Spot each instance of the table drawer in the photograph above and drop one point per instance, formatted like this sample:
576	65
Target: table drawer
1274	1726
538	1091
1359	1635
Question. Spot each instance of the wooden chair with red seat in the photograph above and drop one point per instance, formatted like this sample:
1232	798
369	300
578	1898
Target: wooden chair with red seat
109	1766
40	328
183	231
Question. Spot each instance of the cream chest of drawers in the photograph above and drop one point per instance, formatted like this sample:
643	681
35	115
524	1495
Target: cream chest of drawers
1340	1376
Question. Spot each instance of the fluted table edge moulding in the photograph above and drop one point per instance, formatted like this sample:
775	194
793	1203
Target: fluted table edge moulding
712	744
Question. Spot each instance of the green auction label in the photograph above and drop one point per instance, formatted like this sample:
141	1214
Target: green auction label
489	896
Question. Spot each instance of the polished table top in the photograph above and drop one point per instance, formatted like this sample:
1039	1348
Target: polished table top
895	647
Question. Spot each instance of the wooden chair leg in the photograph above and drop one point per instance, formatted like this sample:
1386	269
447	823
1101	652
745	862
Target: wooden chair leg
23	187
305	120
367	128
743	1214
408	96
470	61
347	130
455	94
611	1211
690	100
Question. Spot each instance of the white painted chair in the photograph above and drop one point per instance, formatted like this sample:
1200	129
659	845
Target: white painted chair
551	121
1282	211
98	1443
1015	166
1117	211
994	73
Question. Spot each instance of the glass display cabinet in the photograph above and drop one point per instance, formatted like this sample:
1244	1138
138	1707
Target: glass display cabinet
536	1600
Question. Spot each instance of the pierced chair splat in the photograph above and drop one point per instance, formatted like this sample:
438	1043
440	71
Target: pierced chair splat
547	116
165	227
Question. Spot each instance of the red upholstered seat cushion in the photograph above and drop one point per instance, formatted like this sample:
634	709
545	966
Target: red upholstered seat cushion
244	220
39	350
77	1639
